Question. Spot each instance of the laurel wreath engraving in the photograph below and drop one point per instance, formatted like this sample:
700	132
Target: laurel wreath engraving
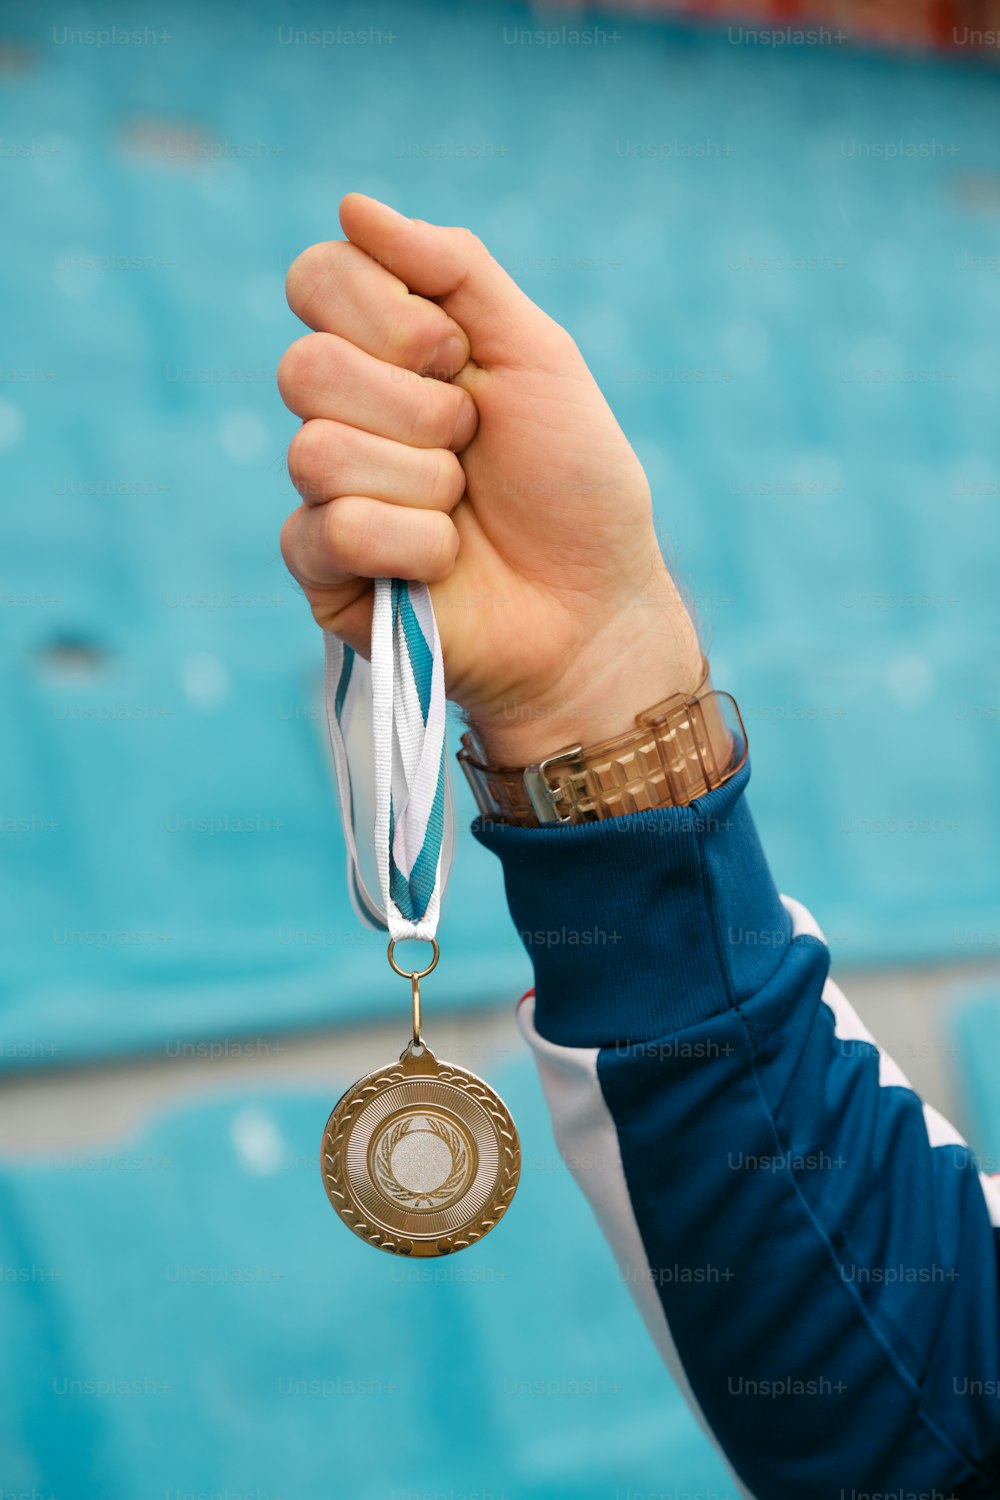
435	1197
334	1143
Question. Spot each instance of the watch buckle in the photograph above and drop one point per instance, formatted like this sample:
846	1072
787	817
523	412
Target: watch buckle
543	796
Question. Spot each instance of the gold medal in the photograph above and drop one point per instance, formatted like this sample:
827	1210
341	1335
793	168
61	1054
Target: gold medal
421	1157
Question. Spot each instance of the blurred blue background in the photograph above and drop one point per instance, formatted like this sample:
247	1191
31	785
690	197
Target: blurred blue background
783	267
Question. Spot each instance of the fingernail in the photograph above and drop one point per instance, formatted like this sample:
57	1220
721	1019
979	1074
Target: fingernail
465	425
447	359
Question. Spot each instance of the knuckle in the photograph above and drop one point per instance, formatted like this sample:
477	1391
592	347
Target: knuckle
557	348
306	459
471	245
302	276
288	540
298	368
560	336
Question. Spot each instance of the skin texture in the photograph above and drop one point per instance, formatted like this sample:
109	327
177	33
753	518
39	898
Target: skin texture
453	434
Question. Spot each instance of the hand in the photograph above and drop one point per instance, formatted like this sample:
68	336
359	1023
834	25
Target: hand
453	434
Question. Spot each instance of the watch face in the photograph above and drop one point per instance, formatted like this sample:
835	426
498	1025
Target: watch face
420	1158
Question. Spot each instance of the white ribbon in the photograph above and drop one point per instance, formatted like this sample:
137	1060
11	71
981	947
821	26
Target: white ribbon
387	722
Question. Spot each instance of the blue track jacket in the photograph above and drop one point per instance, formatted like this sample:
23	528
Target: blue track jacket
813	1249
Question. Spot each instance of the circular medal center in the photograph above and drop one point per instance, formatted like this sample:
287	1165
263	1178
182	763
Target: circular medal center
421	1161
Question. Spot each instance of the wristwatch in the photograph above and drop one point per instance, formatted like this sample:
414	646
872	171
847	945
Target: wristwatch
679	750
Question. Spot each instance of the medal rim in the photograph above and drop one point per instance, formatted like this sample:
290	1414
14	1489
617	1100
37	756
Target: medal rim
336	1138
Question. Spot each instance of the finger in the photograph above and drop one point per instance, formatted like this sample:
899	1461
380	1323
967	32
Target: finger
329	459
337	288
331	546
347	611
503	325
322	375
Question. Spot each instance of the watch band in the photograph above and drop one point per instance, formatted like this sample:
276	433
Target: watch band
679	750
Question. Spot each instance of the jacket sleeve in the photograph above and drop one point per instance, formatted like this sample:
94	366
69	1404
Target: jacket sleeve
813	1249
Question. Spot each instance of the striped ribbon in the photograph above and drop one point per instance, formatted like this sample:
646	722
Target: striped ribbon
389	717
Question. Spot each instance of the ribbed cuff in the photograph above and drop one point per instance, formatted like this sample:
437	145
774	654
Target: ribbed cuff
640	926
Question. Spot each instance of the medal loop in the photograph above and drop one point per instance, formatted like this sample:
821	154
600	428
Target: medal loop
415	976
414	973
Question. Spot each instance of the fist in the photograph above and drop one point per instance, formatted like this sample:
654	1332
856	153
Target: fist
452	434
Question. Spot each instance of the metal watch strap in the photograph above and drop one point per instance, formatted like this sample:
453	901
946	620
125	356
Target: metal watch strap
679	750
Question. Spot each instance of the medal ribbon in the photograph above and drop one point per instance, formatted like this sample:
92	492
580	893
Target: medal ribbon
400	697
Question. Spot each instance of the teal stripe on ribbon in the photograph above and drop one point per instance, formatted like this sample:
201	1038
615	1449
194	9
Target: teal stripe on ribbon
424	872
344	682
419	652
413	896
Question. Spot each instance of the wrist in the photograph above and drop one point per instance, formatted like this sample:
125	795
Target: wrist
598	698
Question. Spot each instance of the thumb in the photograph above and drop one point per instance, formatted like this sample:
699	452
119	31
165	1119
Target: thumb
452	266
